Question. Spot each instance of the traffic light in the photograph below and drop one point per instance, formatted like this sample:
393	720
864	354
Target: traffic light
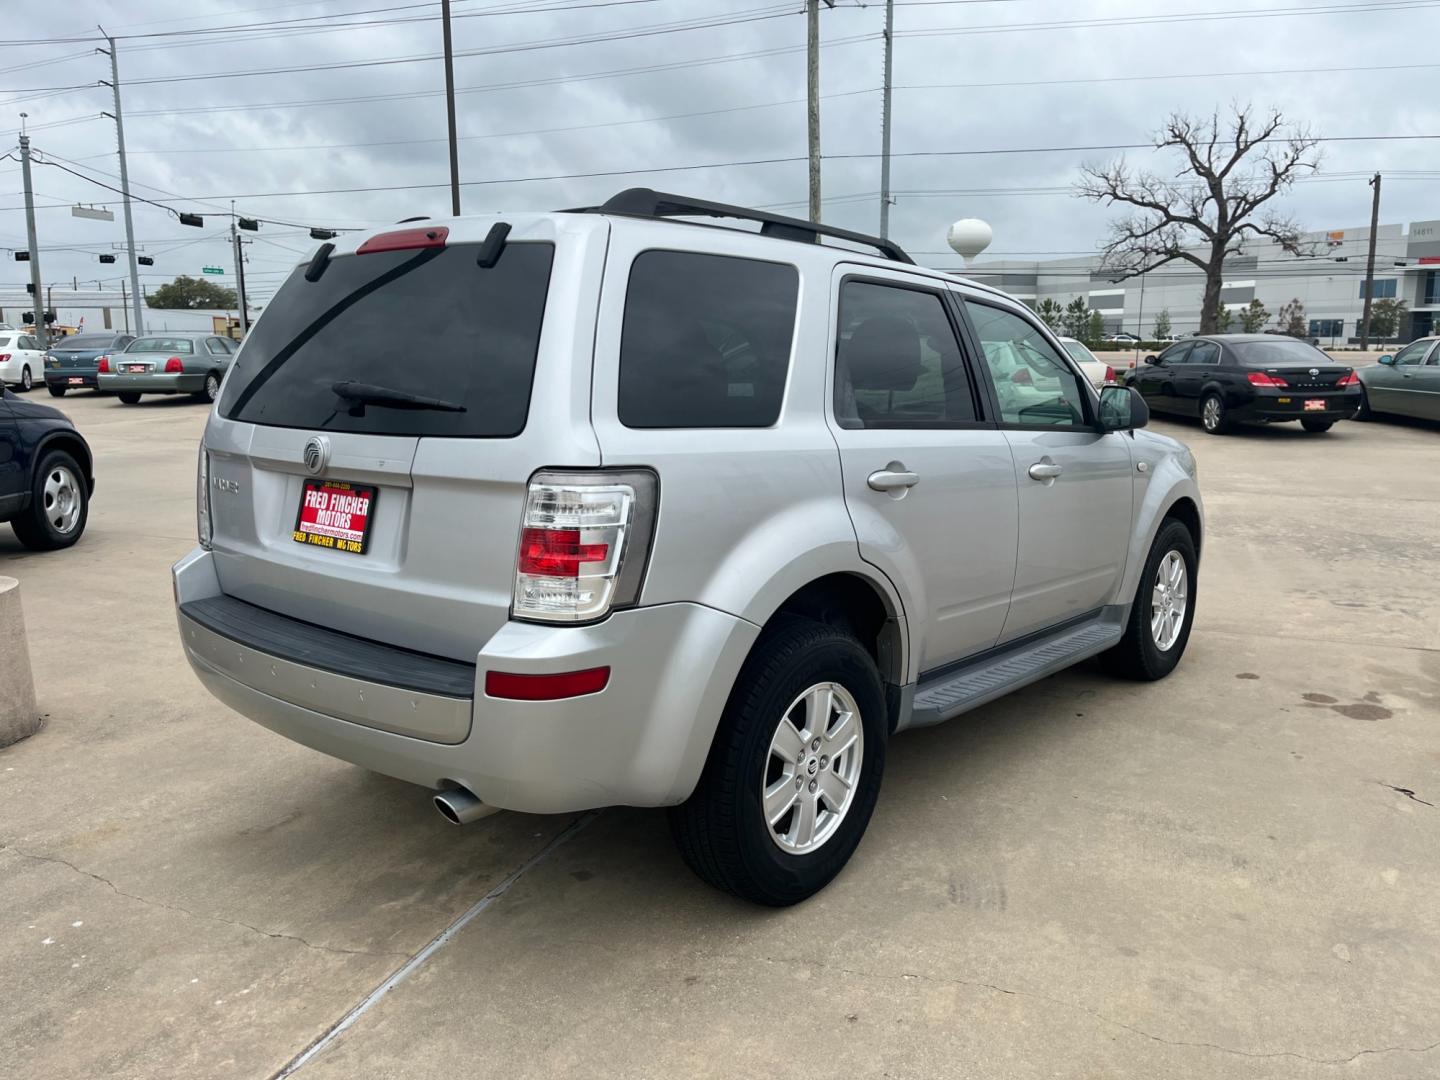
192	219
22	256
107	258
322	234
30	287
249	224
49	317
28	318
145	260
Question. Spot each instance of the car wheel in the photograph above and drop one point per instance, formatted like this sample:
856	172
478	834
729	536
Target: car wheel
1163	611
1213	415
129	397
1364	412
794	771
26	379
59	505
212	388
56	391
1317	426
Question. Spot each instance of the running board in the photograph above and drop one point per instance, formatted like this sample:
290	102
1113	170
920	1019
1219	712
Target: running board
996	672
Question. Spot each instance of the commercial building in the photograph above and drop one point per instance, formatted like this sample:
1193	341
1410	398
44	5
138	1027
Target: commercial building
1328	280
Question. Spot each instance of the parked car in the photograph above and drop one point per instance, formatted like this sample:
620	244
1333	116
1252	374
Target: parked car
72	363
1405	384
183	363
1226	379
1123	339
601	507
21	360
46	474
1096	370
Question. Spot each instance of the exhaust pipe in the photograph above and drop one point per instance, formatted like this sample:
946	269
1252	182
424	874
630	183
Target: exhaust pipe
460	807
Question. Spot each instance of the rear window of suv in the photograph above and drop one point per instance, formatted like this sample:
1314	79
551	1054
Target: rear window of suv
706	341
431	323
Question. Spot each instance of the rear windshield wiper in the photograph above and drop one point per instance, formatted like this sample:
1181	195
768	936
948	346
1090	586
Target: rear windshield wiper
361	394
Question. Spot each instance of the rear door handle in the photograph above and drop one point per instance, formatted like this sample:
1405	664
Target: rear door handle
1044	470
892	479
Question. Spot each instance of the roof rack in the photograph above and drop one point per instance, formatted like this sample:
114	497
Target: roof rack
645	203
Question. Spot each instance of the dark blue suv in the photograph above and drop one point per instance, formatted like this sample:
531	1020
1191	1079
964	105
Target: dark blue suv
47	474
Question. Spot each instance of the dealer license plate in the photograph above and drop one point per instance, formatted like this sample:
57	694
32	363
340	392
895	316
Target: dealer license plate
75	381
137	369
335	515
1314	405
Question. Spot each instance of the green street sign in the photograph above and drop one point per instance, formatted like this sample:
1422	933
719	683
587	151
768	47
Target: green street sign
214	270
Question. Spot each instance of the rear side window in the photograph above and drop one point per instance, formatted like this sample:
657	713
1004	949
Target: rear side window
429	323
705	341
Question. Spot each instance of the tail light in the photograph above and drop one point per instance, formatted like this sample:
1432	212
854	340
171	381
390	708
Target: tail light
102	365
203	530
1349	379
4	356
583	544
1264	378
174	366
1109	374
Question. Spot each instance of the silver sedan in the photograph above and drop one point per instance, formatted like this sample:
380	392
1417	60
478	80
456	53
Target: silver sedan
180	363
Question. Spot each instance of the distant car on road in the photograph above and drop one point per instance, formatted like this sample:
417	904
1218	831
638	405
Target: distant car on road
1123	339
71	363
46	474
21	361
1227	378
183	363
1405	384
1096	370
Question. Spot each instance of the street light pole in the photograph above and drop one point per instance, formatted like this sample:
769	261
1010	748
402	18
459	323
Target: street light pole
40	330
125	183
1370	264
450	108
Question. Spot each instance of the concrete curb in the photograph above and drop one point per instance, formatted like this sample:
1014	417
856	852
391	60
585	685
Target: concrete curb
19	718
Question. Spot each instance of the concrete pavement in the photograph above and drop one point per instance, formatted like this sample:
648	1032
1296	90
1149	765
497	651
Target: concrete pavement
1229	873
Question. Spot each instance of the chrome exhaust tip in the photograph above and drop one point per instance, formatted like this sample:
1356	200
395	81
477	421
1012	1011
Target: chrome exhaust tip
460	807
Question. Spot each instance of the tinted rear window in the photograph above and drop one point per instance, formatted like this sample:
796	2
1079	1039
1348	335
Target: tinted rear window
1280	351
429	322
706	341
162	344
5	342
86	341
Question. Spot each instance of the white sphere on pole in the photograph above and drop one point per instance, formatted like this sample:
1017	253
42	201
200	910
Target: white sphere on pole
968	237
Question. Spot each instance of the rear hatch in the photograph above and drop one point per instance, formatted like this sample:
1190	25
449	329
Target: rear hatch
1304	368
372	445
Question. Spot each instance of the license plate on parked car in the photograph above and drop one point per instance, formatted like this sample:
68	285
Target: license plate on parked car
75	380
136	369
335	515
1314	405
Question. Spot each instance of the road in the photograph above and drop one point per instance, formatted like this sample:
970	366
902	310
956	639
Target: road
1231	873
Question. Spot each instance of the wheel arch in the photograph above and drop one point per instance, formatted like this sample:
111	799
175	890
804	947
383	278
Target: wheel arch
75	446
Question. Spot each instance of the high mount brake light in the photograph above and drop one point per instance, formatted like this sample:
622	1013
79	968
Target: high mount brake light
1264	378
583	544
405	239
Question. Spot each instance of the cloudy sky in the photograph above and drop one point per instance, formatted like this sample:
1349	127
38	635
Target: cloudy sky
289	108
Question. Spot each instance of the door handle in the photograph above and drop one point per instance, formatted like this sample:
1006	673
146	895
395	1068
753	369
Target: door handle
893	477
1044	470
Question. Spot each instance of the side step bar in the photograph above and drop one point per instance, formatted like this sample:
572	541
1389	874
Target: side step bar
960	687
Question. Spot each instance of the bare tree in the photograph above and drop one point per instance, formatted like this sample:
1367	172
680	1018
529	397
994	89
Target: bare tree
1213	204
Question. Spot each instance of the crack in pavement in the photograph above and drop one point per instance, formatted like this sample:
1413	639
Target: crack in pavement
974	984
194	914
1407	793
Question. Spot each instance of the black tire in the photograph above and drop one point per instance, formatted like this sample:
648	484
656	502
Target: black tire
56	391
1364	412
128	397
1137	656
36	527
212	388
1317	426
721	829
1220	423
27	381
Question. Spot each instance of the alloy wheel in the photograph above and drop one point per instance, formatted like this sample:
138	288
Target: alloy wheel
1211	413
1169	598
813	768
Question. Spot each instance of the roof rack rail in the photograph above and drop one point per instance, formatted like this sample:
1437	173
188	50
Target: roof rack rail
643	202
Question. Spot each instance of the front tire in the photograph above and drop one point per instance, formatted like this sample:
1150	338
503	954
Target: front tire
794	771
128	397
27	381
1213	416
1163	611
56	391
59	505
1317	426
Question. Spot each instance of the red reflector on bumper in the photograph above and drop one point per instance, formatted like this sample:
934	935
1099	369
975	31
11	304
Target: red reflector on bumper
565	684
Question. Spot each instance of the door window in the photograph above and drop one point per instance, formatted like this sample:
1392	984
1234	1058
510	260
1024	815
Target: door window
1176	353
898	362
1204	352
1034	385
216	347
1412	354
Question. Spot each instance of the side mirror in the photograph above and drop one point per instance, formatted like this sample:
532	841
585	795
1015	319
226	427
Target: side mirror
1387	359
1122	408
1152	359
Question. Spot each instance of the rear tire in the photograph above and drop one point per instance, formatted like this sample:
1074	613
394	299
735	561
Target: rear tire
1364	412
794	694
211	390
1213	416
56	391
1138	654
27	381
1317	426
59	505
128	397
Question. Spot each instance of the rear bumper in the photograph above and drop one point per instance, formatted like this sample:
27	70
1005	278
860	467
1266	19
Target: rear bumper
66	377
1276	407
641	741
153	383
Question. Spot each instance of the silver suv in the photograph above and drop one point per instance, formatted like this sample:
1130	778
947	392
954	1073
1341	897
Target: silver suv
604	507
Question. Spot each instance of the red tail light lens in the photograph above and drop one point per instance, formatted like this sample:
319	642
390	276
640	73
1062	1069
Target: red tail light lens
174	366
557	552
103	363
1264	378
1109	374
565	684
4	356
1349	379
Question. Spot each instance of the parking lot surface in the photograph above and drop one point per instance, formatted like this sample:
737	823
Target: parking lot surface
1229	873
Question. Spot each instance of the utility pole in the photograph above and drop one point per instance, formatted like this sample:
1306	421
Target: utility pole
1370	264
125	306
40	330
885	122
124	181
240	277
450	108
812	96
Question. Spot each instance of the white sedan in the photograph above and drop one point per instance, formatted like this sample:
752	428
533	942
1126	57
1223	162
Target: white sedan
1097	371
21	360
